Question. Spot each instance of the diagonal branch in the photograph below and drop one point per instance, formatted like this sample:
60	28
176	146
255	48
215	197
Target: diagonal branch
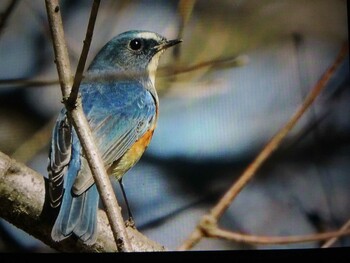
236	188
78	119
82	60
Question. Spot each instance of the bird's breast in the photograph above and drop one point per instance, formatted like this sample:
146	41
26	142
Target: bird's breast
131	156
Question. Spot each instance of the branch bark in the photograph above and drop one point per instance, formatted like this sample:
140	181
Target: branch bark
78	119
217	211
22	199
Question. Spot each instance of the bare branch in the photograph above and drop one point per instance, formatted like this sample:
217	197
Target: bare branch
22	198
78	119
250	171
343	229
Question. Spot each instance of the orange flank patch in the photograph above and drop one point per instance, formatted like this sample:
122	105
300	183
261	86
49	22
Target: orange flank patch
131	157
140	146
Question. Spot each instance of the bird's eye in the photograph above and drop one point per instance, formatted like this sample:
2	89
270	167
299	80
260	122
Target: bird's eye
136	44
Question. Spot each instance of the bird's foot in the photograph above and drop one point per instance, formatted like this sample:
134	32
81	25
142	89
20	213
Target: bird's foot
130	223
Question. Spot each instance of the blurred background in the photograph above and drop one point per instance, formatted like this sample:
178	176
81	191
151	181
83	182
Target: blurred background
259	60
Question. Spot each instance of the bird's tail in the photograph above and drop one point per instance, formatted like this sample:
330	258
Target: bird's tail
78	214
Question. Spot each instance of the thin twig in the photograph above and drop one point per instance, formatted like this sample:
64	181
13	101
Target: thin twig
78	119
343	229
236	188
272	240
82	60
6	14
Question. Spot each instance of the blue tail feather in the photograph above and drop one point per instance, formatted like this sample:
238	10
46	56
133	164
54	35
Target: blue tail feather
85	228
78	214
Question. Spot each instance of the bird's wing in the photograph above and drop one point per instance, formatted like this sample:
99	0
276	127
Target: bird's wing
118	114
59	157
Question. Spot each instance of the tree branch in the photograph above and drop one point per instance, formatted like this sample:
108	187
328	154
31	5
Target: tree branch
78	119
214	231
343	229
216	212
22	198
82	60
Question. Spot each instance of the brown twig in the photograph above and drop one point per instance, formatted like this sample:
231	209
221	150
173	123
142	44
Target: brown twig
272	240
78	119
6	14
343	229
236	188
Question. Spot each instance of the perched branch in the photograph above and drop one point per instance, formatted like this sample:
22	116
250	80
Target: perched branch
78	119
345	228
248	174
22	198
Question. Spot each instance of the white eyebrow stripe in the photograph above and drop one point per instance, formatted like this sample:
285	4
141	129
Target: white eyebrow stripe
148	35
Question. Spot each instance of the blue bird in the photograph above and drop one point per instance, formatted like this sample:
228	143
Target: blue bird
120	102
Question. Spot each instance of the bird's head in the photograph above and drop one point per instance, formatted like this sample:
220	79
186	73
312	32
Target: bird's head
133	51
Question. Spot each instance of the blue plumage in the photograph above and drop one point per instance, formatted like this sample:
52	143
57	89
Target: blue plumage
122	112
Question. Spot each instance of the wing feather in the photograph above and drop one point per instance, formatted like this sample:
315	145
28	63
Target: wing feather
59	157
118	115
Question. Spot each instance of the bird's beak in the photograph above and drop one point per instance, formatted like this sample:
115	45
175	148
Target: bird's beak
167	44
